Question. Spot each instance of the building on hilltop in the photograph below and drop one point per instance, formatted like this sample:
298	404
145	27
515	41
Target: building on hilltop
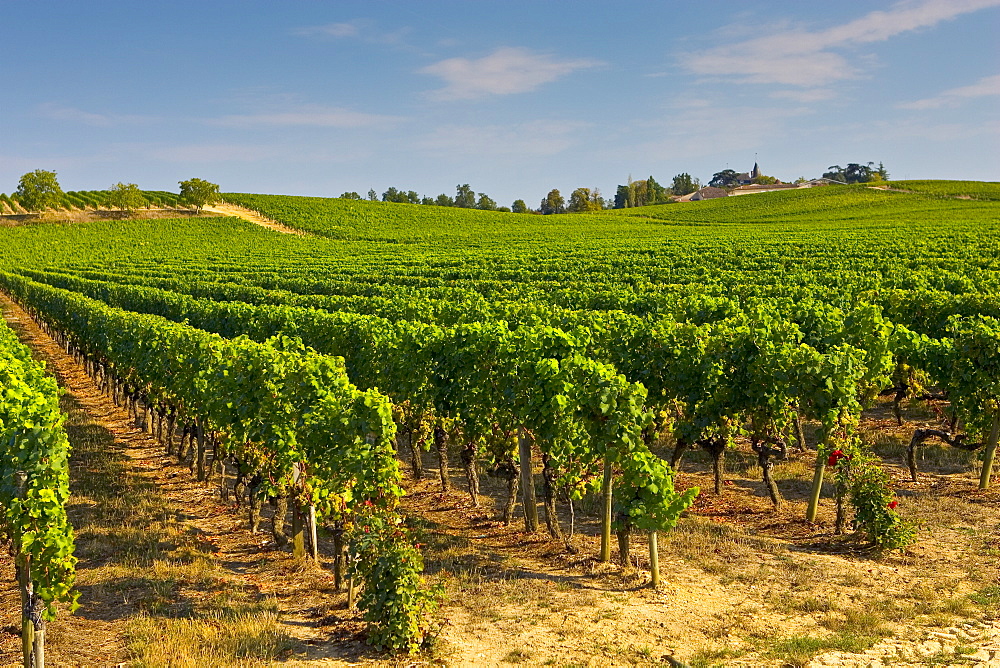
747	178
708	192
763	188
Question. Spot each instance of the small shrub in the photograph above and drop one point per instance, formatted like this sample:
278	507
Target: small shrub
867	487
396	605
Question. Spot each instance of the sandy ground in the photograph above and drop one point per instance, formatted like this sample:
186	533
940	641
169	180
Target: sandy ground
253	217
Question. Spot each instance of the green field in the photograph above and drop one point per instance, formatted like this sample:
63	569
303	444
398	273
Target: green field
717	325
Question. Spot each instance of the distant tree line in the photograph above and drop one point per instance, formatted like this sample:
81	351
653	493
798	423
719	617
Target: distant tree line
645	192
465	198
857	173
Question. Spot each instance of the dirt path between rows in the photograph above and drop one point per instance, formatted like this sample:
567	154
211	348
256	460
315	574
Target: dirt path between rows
226	209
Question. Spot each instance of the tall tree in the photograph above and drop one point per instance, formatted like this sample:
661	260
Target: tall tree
199	192
553	203
372	195
655	193
585	199
639	192
597	201
683	184
621	197
465	197
486	203
858	173
835	173
39	190
126	197
723	179
855	172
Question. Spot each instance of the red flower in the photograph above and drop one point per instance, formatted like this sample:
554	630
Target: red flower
835	457
893	504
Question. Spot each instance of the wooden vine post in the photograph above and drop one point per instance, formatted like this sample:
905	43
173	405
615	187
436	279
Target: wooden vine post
606	505
298	525
528	498
654	561
991	449
313	537
32	622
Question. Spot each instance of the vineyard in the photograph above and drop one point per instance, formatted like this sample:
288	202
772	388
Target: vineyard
828	348
94	200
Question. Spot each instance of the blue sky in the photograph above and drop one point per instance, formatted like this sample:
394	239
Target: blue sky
514	98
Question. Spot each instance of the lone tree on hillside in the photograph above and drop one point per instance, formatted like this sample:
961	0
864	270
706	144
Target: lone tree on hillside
39	190
199	192
125	197
553	203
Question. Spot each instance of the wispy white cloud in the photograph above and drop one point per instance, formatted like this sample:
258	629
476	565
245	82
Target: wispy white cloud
362	29
809	58
506	71
985	87
73	115
306	116
350	29
804	96
534	138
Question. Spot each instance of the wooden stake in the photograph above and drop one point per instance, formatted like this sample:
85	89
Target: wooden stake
654	561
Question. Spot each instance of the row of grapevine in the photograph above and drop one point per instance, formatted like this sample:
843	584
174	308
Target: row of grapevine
816	322
530	384
752	373
34	489
97	199
288	416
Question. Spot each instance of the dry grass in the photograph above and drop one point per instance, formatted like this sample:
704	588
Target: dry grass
178	606
243	640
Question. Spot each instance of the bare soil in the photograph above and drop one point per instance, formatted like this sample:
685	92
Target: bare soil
90	215
743	584
226	209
